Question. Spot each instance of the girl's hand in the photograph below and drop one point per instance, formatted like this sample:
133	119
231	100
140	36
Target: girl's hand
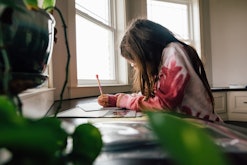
103	100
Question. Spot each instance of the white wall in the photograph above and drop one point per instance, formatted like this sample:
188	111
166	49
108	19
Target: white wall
228	28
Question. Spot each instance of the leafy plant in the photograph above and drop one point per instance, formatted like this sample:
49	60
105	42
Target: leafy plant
185	142
44	141
43	4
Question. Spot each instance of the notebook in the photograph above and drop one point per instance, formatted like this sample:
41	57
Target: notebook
94	106
94	110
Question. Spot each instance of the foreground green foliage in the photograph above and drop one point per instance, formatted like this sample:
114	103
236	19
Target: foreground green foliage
185	142
43	141
43	5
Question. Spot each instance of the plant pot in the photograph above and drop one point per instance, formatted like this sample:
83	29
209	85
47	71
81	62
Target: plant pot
28	37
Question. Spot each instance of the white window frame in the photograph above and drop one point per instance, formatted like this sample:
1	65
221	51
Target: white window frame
193	20
111	27
91	89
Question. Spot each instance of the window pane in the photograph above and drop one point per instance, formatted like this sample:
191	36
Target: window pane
94	50
174	16
98	9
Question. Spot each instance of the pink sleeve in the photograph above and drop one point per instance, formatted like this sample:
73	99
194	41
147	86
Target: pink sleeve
138	102
169	92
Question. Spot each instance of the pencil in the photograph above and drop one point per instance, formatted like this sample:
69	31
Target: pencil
100	89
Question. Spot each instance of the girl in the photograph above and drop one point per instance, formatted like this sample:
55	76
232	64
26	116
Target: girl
167	72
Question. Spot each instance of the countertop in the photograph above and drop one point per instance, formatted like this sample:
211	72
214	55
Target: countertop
221	89
231	139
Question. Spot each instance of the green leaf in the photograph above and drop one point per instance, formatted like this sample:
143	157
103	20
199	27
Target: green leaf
43	4
87	143
48	3
8	111
31	3
29	140
54	125
185	142
7	106
34	140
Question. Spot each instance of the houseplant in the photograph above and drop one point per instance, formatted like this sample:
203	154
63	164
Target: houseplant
27	38
26	42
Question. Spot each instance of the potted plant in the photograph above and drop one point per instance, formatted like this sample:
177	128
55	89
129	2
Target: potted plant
27	38
26	41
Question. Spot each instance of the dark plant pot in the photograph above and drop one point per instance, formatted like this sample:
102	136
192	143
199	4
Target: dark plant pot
28	37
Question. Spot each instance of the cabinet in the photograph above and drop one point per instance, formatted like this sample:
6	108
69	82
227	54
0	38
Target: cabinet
220	106
237	105
231	105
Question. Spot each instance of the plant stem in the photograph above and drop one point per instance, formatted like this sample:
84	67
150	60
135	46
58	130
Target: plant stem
68	59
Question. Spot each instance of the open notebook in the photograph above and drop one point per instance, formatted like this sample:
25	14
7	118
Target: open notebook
93	109
94	106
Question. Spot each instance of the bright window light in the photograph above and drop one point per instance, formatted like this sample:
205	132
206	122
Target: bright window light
174	16
94	41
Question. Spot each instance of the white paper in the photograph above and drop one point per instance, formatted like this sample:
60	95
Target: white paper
78	112
94	106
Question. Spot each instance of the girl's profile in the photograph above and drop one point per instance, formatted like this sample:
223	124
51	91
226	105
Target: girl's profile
168	74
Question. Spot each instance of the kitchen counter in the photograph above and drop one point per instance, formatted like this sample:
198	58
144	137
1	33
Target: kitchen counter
122	147
221	89
231	139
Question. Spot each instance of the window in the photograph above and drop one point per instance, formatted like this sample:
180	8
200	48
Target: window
95	29
95	37
179	16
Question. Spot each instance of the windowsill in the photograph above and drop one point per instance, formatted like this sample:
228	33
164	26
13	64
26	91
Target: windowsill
105	85
36	102
88	91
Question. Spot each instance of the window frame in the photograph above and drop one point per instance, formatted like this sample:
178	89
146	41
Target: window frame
111	27
193	22
91	89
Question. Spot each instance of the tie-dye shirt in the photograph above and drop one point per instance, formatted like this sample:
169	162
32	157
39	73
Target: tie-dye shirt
178	88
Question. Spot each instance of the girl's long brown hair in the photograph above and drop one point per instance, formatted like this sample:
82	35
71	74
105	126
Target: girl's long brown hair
143	44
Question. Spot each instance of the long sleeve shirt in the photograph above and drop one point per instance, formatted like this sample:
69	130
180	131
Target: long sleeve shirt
178	89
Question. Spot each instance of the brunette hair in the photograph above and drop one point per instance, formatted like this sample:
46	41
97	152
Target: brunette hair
143	44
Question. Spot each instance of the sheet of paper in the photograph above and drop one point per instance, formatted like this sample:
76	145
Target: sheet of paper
94	106
78	112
